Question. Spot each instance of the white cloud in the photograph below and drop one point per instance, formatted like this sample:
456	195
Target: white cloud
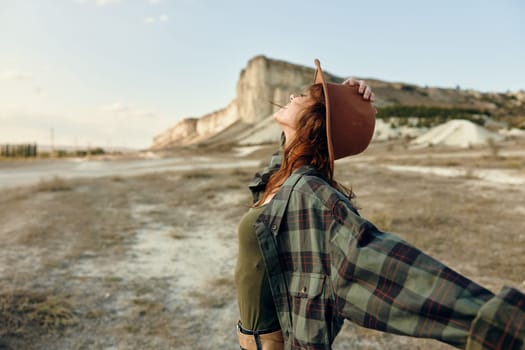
121	110
100	3
106	2
153	19
9	74
22	80
38	90
116	107
150	20
144	114
153	2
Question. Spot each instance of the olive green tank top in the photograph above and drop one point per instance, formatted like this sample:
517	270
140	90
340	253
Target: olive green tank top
256	306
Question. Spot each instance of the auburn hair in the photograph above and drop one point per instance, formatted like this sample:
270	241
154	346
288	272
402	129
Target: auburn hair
309	147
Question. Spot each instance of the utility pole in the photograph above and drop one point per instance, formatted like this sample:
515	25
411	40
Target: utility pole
52	141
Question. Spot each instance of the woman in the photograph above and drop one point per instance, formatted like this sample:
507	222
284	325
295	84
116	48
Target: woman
307	260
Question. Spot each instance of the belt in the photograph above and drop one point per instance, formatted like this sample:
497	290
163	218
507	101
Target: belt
266	339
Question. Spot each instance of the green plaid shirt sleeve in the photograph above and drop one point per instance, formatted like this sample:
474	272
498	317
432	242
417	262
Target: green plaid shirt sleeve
500	323
384	283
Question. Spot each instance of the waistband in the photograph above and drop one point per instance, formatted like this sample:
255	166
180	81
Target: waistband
260	331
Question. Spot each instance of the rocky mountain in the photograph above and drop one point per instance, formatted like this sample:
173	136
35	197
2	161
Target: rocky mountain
247	118
262	80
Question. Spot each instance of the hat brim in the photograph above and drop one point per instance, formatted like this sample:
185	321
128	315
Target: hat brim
320	79
350	120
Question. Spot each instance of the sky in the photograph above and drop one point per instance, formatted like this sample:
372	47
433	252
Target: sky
113	73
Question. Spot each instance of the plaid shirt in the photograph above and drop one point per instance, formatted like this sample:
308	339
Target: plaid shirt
325	263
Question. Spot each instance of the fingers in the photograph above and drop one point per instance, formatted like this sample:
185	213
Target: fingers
362	86
350	81
368	95
353	82
363	89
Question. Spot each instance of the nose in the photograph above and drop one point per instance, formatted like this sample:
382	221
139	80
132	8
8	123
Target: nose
292	96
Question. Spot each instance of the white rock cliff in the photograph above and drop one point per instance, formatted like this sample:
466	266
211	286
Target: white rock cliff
263	80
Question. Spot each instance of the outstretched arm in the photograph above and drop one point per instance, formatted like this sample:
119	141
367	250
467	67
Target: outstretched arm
384	283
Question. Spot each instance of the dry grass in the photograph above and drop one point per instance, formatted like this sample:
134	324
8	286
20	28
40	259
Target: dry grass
507	155
117	178
197	175
177	234
52	185
382	220
470	174
215	293
483	161
26	313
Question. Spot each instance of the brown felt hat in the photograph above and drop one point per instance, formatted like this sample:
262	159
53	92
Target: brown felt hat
350	120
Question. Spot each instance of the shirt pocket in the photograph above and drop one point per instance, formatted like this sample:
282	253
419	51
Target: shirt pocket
306	285
309	308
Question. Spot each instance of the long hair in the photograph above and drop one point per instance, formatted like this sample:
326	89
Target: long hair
309	147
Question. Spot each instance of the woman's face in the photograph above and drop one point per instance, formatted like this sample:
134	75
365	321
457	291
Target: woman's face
288	116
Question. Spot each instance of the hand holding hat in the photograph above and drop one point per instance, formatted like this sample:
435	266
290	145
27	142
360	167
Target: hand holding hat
363	88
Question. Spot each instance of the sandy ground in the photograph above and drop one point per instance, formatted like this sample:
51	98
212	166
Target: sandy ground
117	259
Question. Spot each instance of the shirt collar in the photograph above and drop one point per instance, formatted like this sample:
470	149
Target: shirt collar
274	212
